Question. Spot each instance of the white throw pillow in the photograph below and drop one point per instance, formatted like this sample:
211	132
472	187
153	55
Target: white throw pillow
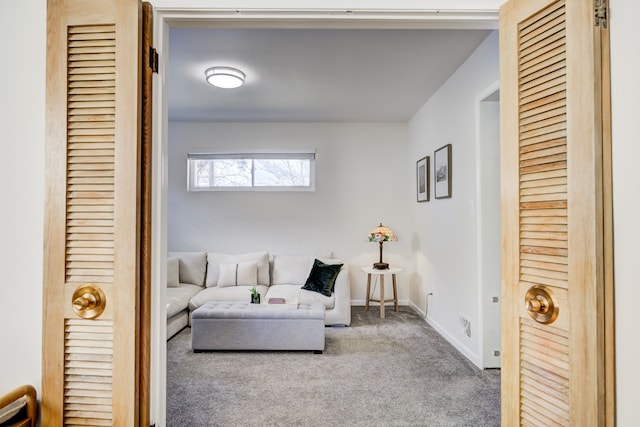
173	272
215	259
227	275
12	409
247	274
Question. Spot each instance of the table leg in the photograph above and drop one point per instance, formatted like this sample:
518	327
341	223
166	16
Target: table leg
382	296
395	292
366	304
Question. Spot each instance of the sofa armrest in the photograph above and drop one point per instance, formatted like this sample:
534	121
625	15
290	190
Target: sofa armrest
21	397
341	313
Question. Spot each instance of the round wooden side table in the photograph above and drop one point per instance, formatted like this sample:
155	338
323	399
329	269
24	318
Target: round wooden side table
381	273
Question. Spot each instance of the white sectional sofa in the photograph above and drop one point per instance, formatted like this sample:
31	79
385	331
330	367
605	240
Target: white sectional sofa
194	278
186	273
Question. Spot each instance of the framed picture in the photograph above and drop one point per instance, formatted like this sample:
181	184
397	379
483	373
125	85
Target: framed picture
442	171
422	174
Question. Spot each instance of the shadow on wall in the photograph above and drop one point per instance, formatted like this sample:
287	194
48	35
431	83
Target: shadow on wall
415	243
417	280
416	288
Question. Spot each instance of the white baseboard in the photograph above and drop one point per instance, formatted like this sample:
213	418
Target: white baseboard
361	302
417	309
466	352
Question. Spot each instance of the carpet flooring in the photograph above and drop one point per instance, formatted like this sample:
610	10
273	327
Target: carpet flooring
396	371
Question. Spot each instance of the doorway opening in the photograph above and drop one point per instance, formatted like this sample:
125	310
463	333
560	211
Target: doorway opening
166	19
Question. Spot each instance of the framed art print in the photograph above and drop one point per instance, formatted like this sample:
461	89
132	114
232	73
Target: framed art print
422	174
442	172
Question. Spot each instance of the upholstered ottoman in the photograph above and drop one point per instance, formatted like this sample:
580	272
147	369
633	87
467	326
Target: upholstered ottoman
243	326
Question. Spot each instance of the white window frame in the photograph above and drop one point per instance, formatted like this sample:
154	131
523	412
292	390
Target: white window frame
252	155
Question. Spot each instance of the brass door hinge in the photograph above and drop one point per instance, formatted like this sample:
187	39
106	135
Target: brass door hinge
601	13
153	59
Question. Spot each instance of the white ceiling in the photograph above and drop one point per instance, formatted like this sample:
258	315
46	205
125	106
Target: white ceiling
313	75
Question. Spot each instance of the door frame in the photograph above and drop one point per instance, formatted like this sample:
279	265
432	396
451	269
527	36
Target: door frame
180	16
486	291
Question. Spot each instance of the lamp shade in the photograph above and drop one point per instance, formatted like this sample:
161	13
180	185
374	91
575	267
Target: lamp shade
382	234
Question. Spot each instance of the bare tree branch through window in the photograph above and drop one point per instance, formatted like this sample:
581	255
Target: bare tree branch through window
218	171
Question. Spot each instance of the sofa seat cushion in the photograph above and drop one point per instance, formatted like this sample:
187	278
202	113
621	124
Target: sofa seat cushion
295	293
309	297
288	292
178	298
230	293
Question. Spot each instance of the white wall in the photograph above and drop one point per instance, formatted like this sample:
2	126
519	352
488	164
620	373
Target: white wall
22	83
445	232
22	125
362	178
625	93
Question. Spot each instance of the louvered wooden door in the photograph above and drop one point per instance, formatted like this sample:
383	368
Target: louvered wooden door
91	369
553	204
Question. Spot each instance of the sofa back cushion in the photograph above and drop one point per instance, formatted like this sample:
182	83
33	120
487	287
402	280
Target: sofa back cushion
173	272
192	266
293	269
260	258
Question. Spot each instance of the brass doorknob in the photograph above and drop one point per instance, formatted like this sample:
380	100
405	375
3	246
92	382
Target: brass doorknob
538	304
88	301
541	304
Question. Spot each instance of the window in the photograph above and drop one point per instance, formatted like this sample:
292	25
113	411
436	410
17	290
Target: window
282	171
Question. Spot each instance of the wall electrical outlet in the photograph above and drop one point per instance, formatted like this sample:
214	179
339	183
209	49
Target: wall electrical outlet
465	325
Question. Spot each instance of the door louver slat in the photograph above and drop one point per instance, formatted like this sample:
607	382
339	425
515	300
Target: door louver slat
88	370
91	153
544	373
547	369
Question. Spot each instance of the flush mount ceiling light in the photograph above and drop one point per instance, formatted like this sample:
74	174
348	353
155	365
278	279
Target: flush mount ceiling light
224	77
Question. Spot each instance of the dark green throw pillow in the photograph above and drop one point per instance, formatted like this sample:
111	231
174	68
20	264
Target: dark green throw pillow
322	277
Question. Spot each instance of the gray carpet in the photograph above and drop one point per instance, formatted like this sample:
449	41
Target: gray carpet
392	372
